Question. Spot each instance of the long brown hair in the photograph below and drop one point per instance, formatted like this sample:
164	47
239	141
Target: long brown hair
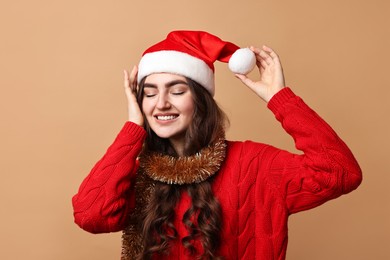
203	219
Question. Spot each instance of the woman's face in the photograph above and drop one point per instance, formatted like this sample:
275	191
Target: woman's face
168	105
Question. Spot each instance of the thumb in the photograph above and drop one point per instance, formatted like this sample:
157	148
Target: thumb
244	79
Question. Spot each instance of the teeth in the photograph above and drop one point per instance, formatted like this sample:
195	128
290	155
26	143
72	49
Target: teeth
166	117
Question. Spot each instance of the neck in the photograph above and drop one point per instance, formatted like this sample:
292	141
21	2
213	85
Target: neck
178	145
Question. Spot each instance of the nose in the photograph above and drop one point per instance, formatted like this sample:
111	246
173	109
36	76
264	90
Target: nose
163	102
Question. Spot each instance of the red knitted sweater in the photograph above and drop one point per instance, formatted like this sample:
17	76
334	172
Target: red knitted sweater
258	186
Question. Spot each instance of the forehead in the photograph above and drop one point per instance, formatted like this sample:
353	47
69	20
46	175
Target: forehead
162	78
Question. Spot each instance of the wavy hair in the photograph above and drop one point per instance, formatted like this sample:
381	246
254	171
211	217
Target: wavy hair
203	219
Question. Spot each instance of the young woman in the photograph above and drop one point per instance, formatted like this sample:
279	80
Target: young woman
178	190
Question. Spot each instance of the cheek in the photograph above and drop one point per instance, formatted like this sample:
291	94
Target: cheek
147	112
146	107
189	108
191	105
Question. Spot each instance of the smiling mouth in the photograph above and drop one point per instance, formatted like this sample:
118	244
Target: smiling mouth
166	118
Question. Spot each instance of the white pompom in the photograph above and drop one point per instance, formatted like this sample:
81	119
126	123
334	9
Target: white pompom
242	61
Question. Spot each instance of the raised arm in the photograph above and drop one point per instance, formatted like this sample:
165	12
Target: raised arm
105	197
327	168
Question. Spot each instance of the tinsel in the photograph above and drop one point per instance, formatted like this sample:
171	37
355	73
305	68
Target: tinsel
186	169
131	235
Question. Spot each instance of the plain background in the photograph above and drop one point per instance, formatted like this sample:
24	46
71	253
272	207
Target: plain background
62	104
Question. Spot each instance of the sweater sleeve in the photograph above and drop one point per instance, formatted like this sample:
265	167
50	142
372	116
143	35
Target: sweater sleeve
105	197
325	170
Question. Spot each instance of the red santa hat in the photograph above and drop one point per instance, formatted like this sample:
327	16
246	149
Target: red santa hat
192	54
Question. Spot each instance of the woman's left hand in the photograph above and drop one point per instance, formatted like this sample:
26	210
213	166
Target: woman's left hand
271	74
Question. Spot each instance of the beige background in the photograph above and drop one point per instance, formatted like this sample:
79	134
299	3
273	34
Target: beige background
62	104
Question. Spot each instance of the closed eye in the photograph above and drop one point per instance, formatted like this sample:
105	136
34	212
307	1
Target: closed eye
149	95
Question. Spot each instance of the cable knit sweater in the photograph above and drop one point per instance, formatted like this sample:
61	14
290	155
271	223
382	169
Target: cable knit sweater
258	185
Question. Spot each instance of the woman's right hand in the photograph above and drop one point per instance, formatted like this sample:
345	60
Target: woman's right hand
130	83
271	74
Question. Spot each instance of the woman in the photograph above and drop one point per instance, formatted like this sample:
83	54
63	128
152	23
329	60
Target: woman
178	190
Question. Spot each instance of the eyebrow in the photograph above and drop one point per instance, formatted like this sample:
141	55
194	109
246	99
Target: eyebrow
167	85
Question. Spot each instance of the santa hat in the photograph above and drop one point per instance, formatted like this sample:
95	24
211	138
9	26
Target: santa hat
192	54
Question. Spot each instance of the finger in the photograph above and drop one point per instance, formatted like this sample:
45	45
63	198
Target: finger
258	64
259	60
133	78
262	69
264	63
265	49
255	49
126	78
266	57
271	52
132	75
268	62
247	81
268	49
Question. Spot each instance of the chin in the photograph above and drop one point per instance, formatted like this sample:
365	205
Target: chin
169	134
164	136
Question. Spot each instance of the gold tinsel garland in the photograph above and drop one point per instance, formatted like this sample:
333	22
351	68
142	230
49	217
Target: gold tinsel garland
187	169
131	236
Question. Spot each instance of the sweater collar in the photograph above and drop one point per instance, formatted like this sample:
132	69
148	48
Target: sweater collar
187	169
